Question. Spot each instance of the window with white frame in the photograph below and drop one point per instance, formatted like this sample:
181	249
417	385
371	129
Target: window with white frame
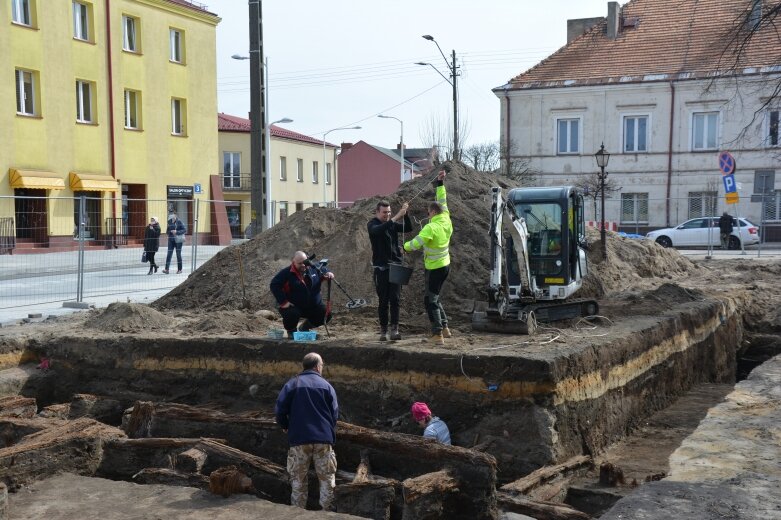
178	116
635	134
772	137
176	41
129	33
80	21
328	173
702	204
283	168
314	172
84	102
132	109
634	208
705	127
568	132
300	170
20	12
232	170
25	92
282	210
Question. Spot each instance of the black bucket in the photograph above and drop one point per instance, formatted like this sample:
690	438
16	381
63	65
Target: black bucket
399	274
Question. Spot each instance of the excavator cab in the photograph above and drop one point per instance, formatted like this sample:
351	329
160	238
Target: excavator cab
538	260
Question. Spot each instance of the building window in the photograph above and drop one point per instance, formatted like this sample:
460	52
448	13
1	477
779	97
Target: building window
772	203
300	170
634	208
178	116
568	135
702	204
132	109
328	173
282	210
772	128
130	34
81	19
232	170
314	172
84	102
299	206
20	12
25	92
635	134
283	168
176	38
704	130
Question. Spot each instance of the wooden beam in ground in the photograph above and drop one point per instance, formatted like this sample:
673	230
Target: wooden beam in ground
543	475
537	509
170	477
18	406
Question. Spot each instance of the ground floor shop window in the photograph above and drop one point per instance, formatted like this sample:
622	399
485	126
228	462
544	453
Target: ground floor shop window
30	214
91	213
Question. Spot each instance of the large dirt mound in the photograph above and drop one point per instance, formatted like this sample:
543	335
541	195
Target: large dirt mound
128	317
341	236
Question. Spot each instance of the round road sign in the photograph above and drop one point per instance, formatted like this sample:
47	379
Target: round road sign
726	163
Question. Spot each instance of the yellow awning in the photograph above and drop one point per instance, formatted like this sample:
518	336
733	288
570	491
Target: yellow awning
92	182
35	180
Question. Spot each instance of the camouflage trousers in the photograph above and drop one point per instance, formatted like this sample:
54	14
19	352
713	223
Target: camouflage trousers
298	459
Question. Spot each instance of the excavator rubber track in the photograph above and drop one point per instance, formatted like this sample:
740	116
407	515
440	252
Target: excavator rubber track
525	319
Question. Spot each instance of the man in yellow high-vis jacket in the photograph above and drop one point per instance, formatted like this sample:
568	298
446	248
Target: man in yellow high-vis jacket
434	239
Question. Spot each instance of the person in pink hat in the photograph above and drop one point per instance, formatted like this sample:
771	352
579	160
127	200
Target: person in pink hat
433	427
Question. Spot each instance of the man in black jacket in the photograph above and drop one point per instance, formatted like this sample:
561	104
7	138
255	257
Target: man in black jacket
384	236
297	290
725	229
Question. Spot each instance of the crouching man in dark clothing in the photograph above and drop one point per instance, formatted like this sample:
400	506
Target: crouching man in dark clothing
308	410
297	290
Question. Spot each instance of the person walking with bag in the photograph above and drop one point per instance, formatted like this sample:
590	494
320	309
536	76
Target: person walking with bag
434	239
152	243
307	409
175	232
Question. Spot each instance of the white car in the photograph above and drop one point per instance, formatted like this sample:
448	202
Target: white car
694	233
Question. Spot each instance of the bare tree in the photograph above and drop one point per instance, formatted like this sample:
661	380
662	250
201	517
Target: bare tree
592	188
517	167
437	132
482	157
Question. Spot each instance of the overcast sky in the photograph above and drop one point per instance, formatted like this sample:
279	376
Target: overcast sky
335	63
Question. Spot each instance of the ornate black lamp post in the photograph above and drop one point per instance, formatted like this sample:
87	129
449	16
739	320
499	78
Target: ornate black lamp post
602	158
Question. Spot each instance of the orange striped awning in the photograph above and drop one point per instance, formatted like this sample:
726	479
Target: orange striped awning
33	179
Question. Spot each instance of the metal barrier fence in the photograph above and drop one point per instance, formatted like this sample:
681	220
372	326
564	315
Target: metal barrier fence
74	249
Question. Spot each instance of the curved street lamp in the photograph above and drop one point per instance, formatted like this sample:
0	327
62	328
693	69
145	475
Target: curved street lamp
453	68
401	174
325	189
602	157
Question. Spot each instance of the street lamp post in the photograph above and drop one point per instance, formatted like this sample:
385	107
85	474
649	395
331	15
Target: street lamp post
602	159
412	169
325	187
258	173
401	175
453	68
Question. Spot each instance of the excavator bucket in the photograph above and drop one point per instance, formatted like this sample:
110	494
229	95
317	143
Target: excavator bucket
525	323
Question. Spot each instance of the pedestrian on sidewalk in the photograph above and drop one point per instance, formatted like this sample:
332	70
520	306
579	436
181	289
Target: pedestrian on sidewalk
175	232
152	243
433	427
384	232
725	229
307	409
434	239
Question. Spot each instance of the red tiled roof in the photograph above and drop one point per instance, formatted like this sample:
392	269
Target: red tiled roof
197	6
670	39
229	123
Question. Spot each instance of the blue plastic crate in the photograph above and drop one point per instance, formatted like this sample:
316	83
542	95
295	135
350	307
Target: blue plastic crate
309	335
276	333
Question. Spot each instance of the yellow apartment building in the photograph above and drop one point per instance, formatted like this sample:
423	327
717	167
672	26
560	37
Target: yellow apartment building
298	179
109	99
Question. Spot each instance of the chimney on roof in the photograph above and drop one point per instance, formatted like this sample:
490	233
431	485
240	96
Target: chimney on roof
580	26
613	20
346	146
755	16
399	146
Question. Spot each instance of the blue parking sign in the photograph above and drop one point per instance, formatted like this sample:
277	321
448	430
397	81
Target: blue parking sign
729	183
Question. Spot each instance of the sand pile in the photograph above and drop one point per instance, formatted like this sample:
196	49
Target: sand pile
341	236
128	317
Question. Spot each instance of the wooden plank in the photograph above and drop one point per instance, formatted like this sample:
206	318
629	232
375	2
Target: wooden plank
538	509
539	477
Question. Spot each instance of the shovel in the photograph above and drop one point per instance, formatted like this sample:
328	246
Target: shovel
244	301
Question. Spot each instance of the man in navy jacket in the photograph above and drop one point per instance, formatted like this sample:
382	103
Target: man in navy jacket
297	290
308	410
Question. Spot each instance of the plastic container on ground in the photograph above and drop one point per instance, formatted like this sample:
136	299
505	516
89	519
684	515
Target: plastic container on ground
309	335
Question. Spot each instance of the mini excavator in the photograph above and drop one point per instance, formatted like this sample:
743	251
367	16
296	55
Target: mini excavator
538	260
